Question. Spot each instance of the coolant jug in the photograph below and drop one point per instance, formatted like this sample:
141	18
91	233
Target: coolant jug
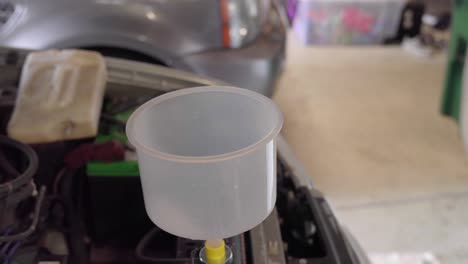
207	159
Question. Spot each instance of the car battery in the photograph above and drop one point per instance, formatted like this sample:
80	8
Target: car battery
116	201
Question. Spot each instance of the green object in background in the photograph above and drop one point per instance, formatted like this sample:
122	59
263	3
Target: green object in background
121	168
453	86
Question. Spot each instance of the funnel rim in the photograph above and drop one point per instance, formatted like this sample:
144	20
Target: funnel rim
211	158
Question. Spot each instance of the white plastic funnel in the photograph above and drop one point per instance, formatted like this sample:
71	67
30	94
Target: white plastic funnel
207	158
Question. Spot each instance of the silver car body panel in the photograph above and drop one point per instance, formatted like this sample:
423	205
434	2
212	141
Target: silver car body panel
254	67
162	29
184	34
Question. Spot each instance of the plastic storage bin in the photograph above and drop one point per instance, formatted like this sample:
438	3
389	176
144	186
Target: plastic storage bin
347	21
207	159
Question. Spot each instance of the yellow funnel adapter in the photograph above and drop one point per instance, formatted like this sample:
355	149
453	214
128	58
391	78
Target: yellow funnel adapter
215	251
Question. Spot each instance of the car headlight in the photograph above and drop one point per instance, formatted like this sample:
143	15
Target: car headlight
242	20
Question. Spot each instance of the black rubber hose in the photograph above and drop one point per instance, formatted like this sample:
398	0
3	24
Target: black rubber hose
21	194
139	251
6	165
27	174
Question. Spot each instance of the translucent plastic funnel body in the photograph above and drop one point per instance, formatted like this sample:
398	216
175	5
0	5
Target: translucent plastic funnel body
207	158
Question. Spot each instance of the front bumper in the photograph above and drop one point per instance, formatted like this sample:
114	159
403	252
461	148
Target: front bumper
255	67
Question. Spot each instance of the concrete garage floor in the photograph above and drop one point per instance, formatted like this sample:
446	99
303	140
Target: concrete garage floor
365	122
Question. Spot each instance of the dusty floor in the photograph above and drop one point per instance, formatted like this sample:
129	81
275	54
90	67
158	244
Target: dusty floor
365	122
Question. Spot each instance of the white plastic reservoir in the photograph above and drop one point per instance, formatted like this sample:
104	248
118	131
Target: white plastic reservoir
207	158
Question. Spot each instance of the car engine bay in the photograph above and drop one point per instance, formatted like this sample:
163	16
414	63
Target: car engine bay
80	201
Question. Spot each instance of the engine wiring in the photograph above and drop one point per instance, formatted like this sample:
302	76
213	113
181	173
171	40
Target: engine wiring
23	178
12	252
35	218
16	186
